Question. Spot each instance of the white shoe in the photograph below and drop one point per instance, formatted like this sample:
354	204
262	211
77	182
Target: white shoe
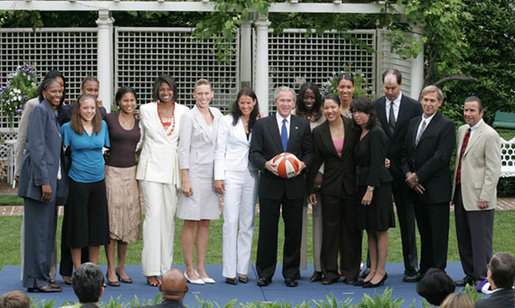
206	279
193	281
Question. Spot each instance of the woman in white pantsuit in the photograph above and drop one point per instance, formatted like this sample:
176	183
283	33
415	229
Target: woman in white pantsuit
158	174
236	180
198	204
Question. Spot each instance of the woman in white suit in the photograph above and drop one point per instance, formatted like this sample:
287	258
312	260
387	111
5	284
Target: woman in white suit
236	180
158	174
198	204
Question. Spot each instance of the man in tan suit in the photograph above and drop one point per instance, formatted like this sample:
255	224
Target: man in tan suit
478	166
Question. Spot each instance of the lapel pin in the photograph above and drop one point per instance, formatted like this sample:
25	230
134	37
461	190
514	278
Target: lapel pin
296	127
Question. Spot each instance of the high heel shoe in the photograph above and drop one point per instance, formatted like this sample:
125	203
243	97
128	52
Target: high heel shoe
369	284
206	279
193	281
112	283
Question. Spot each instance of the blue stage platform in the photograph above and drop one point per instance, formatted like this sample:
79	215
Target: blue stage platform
223	293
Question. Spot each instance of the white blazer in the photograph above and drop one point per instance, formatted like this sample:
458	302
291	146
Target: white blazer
158	158
480	167
198	140
232	147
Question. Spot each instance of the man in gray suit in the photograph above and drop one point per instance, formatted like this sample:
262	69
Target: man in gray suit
501	275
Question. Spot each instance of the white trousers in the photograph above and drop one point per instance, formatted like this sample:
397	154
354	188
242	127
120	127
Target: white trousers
239	208
158	227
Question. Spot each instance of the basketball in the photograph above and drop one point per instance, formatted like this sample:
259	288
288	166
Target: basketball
288	165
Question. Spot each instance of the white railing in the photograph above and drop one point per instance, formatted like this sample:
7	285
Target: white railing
507	158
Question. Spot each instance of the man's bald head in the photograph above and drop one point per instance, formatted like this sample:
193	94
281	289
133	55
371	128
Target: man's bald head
173	285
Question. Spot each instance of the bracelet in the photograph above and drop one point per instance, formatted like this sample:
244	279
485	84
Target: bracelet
371	188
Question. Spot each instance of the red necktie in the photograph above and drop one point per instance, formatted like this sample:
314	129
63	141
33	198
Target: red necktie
463	148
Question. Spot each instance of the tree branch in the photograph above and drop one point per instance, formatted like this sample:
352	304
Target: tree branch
455	77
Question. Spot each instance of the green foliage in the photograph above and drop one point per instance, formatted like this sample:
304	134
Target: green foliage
10	200
36	303
332	302
381	301
472	292
360	84
150	302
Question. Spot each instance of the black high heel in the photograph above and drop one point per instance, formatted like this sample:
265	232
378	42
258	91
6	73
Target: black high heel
369	284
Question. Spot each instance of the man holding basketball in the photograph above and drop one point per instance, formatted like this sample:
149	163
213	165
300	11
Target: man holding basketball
273	135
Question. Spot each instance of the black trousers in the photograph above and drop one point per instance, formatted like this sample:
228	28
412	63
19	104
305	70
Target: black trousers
341	229
474	231
433	226
269	212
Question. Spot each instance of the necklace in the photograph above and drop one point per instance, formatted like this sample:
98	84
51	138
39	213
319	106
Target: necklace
124	121
167	124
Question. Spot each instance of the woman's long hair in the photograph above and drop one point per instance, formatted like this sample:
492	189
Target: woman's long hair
365	105
76	121
301	109
236	112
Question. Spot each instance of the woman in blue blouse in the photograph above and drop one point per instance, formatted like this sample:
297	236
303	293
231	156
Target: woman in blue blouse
86	218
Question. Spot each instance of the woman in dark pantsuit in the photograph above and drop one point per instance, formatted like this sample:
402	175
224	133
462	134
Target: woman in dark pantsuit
334	142
375	190
39	174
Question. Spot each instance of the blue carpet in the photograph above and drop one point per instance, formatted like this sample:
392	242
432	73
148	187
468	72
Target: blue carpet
223	293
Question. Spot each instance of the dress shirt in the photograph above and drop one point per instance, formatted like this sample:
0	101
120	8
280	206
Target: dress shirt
396	106
280	119
427	120
473	128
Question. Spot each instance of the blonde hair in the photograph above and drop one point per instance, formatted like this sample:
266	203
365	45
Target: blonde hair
457	300
15	299
202	82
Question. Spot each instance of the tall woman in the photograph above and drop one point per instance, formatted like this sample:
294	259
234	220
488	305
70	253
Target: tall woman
158	174
121	185
38	185
374	185
198	204
345	92
235	180
309	107
334	142
86	220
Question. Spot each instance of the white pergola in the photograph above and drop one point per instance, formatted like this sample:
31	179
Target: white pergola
105	31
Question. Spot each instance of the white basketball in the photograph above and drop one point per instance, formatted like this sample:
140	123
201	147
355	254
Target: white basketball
288	165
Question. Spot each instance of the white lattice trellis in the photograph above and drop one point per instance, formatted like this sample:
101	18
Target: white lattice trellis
141	54
507	158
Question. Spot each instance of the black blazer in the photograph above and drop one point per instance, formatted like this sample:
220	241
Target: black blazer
408	109
266	143
499	299
370	154
430	158
339	172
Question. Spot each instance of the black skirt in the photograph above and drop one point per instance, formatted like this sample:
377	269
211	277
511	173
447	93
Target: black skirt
378	216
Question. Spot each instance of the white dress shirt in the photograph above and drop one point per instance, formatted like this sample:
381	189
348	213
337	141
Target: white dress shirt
280	119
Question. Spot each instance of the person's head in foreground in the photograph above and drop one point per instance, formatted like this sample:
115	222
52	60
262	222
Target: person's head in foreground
501	271
15	299
457	300
173	285
435	286
87	283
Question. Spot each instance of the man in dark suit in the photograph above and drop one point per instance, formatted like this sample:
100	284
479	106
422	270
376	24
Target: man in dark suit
429	144
273	135
478	167
501	275
173	288
394	111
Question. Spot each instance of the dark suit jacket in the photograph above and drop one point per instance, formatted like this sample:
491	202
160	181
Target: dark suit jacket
408	109
266	143
430	158
41	161
339	172
370	155
168	303
500	299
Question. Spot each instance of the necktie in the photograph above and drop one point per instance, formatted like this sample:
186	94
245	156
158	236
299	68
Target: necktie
391	118
284	135
420	132
463	148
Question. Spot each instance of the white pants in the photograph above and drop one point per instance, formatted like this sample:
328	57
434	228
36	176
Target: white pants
158	227
239	207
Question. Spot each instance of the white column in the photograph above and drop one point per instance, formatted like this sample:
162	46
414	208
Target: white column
245	55
105	57
417	66
261	82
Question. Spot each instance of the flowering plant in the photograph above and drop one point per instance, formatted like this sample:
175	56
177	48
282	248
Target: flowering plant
21	86
331	85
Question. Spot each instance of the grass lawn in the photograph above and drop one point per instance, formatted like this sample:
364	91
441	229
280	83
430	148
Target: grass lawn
507	134
503	241
10	200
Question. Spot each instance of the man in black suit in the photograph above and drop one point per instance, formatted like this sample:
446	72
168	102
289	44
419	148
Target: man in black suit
273	135
429	144
501	275
394	111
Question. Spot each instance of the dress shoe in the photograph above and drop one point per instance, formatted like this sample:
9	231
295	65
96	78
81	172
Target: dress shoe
194	281
349	281
317	276
328	281
375	285
412	277
289	282
462	282
243	279
46	289
231	281
359	283
365	273
264	281
207	279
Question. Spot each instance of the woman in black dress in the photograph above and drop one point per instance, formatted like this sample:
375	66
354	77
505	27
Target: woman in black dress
374	185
